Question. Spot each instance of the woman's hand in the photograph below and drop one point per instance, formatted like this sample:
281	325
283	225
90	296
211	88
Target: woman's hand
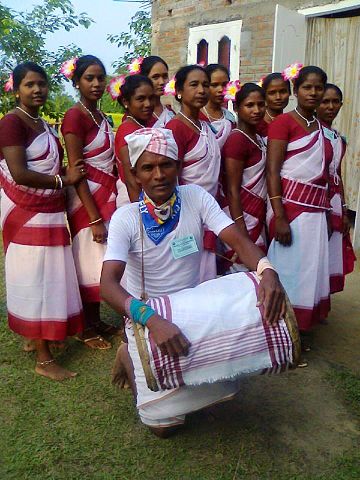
75	173
272	296
99	232
282	231
168	336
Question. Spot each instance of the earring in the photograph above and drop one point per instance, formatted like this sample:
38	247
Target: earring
77	86
17	95
179	97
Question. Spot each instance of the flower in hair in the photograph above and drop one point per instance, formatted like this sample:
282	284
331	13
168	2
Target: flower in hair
135	65
9	85
261	81
292	71
231	90
169	88
68	68
114	87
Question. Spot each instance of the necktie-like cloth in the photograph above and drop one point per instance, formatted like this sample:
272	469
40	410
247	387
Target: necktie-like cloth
159	221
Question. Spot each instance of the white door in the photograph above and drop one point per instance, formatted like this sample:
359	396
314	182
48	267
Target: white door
289	38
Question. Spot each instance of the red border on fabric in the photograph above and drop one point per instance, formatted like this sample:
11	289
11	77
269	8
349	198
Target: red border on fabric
308	317
90	294
47	329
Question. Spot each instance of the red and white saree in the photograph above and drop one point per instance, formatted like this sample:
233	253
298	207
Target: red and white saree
43	299
303	267
88	255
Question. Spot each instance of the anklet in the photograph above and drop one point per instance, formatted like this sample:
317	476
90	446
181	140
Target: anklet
45	362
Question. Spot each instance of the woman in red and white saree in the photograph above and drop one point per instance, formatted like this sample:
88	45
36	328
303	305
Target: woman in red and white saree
199	151
88	136
137	97
341	253
243	176
297	175
277	93
222	120
43	299
157	70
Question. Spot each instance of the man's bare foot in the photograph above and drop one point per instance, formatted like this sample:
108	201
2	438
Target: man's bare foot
118	374
29	346
52	370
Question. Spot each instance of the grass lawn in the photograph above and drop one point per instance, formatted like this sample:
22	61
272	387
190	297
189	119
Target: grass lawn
86	429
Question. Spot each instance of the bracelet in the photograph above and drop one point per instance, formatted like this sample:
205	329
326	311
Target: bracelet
58	182
238	218
140	312
276	196
262	265
94	222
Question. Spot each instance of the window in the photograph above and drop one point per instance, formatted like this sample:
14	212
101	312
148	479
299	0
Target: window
216	43
224	51
202	52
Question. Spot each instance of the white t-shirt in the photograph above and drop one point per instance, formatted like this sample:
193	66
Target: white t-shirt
163	273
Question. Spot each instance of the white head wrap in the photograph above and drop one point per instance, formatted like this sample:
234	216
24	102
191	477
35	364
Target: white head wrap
155	140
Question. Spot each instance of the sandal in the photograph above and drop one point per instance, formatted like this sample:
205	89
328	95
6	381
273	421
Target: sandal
302	364
98	338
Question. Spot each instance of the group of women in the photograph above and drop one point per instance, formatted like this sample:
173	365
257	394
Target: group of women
277	175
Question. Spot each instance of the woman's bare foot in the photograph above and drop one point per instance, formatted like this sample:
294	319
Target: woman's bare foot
50	369
57	345
93	340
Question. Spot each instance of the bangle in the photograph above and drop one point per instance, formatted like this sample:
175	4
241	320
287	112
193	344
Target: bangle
262	265
140	312
238	218
276	196
94	222
58	182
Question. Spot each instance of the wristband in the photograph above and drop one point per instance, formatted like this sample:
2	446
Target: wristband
262	265
140	312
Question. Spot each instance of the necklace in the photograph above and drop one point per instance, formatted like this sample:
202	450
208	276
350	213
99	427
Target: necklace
213	119
192	123
36	119
100	127
268	114
308	122
158	116
260	147
134	120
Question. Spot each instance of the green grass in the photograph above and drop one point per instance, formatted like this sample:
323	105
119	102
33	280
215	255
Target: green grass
86	429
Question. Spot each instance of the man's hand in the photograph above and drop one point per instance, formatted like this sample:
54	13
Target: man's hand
168	336
272	296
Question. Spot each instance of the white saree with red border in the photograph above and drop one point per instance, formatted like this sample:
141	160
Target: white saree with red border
43	299
201	166
303	267
88	255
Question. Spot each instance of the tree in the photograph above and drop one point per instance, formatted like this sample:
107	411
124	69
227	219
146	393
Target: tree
137	41
23	36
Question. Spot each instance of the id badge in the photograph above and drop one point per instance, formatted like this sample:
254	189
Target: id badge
181	247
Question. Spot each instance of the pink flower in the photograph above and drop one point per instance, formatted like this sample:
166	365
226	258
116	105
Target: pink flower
134	66
9	85
114	87
292	71
68	68
231	89
169	88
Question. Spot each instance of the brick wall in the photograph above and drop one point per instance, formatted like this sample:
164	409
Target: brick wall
171	20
